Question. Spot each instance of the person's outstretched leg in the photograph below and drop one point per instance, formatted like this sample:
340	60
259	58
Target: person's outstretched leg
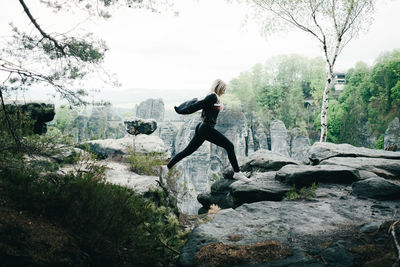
219	139
197	140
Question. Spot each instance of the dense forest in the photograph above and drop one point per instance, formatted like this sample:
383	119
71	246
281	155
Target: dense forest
282	88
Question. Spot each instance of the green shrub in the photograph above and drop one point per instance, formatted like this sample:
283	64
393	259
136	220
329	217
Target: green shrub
114	225
379	144
147	164
303	193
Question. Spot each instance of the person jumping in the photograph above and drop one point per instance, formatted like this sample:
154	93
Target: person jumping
205	130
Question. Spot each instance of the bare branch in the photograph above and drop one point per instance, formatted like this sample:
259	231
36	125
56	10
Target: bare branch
290	20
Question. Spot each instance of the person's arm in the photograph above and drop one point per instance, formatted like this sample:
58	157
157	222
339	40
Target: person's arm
208	101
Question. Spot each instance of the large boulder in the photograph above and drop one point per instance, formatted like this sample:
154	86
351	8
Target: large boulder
280	139
304	175
151	109
219	195
39	113
392	135
299	144
377	188
307	227
229	193
107	148
137	126
324	150
264	160
258	133
119	173
387	168
263	186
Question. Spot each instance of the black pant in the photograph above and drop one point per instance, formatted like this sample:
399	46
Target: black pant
205	132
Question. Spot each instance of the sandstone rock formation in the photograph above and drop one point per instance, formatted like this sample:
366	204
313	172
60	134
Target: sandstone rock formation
299	144
40	113
120	173
151	109
167	131
137	126
280	139
392	134
110	148
350	203
294	143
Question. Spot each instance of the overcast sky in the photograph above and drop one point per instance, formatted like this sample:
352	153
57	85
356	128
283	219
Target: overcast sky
178	57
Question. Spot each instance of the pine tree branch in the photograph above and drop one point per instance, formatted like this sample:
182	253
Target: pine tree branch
37	26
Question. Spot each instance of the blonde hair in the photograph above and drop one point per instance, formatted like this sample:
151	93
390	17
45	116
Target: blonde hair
218	86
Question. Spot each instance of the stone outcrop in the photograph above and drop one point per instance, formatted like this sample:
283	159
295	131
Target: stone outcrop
258	136
388	168
333	219
301	175
263	186
120	173
294	143
349	202
377	188
264	160
151	109
167	131
261	166
392	135
40	113
140	126
111	148
299	144
280	138
323	151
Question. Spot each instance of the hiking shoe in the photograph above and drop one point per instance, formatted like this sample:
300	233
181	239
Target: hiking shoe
240	176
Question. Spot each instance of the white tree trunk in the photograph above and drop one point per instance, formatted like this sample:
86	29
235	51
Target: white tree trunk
324	108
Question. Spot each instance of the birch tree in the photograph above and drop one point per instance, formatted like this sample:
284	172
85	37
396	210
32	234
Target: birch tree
333	23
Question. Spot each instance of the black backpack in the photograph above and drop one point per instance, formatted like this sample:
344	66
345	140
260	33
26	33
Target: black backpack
189	107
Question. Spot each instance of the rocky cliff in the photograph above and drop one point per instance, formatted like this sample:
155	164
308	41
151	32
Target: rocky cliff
392	135
151	109
346	221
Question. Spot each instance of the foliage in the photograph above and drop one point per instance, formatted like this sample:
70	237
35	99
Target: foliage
334	121
332	23
277	89
115	225
148	164
379	144
303	193
368	103
64	118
